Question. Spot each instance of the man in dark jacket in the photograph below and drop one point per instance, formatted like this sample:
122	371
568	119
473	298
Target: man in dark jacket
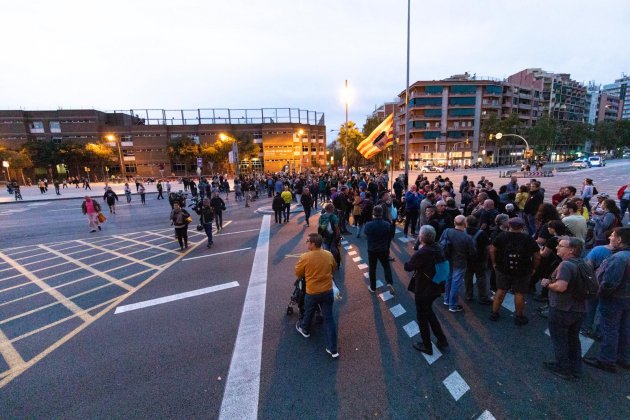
379	233
422	263
479	266
534	200
218	205
412	209
461	253
277	205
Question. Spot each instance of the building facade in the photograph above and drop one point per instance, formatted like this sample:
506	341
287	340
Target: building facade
620	89
287	137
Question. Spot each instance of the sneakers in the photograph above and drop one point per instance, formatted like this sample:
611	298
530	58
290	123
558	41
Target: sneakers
301	331
371	290
494	316
456	308
391	289
521	320
333	354
553	368
99	228
422	348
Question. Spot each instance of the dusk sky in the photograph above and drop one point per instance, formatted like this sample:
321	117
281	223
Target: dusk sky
290	53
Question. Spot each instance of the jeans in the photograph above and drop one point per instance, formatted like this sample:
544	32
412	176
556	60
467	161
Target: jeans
287	211
278	214
624	205
307	214
342	220
218	219
615	329
530	222
411	218
426	317
481	272
325	301
383	257
208	228
453	283
564	329
591	320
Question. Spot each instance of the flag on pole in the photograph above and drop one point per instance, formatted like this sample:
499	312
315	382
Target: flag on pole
378	139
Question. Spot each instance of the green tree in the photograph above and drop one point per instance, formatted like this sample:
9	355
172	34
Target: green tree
20	161
622	129
73	153
183	150
99	153
349	143
545	135
371	123
42	153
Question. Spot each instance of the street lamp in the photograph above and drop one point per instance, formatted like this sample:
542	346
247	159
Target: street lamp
346	97
225	137
113	138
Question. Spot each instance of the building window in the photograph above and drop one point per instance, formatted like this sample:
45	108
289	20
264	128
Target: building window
128	152
130	169
36	127
56	140
179	167
425	148
55	127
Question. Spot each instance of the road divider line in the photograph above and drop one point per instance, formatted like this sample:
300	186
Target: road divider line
9	353
145	244
456	385
218	253
59	297
118	254
242	388
172	298
234	233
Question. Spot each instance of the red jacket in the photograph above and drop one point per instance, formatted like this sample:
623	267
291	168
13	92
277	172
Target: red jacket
620	192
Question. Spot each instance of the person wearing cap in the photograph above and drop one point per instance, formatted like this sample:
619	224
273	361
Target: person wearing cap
597	207
515	257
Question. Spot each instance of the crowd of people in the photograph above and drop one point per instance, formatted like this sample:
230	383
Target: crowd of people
509	241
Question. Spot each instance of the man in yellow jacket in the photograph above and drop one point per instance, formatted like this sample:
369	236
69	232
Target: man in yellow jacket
317	266
287	197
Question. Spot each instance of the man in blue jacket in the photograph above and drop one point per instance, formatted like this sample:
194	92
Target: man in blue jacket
379	233
412	209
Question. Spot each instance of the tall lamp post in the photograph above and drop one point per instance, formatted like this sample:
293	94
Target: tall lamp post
346	148
407	98
528	149
113	138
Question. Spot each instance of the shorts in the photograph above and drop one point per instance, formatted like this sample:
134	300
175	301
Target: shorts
518	283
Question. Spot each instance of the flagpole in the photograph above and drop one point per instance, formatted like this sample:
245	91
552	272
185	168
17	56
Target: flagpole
407	99
347	163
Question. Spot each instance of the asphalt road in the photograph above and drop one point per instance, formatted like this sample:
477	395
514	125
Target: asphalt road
70	350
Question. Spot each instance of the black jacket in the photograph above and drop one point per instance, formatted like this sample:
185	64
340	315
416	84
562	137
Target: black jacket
307	201
423	262
278	203
379	233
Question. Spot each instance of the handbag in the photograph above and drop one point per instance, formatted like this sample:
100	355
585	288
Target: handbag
188	220
199	227
101	218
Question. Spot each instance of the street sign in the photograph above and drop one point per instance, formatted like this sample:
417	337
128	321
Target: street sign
199	162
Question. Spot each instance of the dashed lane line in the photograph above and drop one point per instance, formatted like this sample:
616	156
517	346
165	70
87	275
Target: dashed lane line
99	273
118	254
456	385
486	415
59	297
172	298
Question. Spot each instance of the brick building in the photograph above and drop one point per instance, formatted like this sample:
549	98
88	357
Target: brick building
287	136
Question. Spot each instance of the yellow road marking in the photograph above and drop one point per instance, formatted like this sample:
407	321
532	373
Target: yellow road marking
44	286
10	354
15	372
118	254
148	245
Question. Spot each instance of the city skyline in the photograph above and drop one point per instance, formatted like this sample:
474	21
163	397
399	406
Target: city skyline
296	54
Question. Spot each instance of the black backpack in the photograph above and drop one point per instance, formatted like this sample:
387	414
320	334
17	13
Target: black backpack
512	259
585	285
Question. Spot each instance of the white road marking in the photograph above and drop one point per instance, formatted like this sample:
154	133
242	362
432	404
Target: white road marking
508	302
366	275
218	253
431	358
172	298
412	329
385	296
403	239
456	385
486	415
379	283
344	242
242	388
362	266
397	310
347	247
357	259
352	253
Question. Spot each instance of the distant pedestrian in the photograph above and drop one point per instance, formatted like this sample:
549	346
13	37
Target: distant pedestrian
160	188
143	194
277	205
56	185
42	187
127	190
110	197
306	199
218	206
206	215
180	219
287	197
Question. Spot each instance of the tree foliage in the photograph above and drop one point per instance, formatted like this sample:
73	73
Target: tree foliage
183	150
350	145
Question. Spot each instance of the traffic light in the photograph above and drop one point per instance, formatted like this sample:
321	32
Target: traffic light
387	161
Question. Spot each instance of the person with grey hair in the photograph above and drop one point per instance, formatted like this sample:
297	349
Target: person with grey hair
422	263
459	251
566	313
379	233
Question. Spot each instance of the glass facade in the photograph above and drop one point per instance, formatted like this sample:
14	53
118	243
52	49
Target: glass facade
463	89
462	101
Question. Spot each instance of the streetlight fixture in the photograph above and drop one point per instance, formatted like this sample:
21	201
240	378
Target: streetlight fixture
225	137
113	138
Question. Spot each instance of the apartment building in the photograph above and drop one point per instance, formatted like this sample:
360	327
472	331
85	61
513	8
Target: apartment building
288	137
620	89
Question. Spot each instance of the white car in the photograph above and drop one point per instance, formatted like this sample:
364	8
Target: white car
432	169
597	161
581	163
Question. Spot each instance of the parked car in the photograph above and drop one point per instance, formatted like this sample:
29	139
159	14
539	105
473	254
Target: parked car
428	168
597	161
581	163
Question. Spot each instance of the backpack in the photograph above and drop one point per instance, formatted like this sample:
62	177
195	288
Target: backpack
325	227
585	285
595	192
512	259
445	244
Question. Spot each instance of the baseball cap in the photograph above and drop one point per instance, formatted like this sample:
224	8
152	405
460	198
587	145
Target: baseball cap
602	195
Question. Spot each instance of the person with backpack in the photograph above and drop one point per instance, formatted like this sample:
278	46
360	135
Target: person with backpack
567	308
458	249
379	234
110	197
515	257
425	290
206	215
478	267
218	207
328	228
614	305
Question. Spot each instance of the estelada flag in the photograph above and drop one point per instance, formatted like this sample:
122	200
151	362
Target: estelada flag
378	139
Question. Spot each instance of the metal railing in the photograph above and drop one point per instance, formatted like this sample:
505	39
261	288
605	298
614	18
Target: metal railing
223	116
